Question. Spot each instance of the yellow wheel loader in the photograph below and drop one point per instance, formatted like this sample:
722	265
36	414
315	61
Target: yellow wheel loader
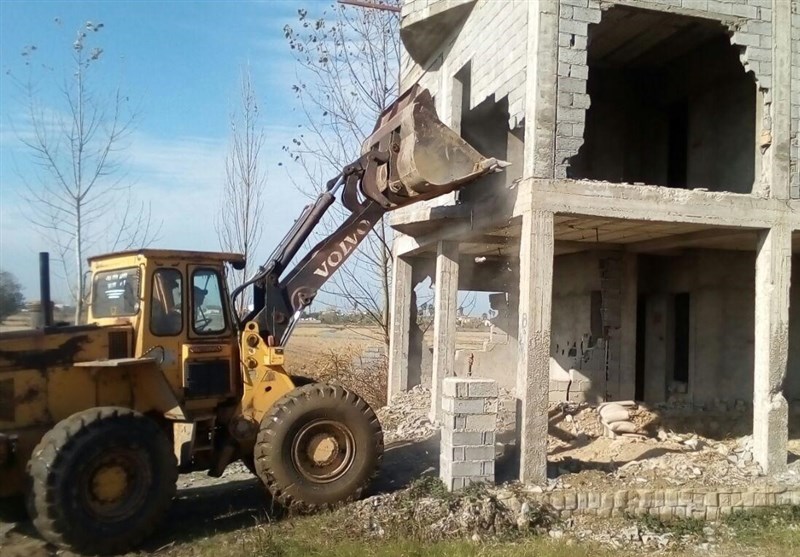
98	420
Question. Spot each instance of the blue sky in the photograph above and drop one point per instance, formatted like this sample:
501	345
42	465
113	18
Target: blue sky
180	61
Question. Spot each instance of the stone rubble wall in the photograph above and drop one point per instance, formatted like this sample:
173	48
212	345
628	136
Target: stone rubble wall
469	421
699	503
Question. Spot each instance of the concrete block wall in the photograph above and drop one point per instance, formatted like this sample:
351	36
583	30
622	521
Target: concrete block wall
493	40
469	421
795	100
750	22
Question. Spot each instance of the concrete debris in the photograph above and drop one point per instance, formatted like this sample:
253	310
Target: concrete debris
580	455
488	513
405	418
433	515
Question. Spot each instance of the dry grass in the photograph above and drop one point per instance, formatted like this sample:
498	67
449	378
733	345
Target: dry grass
338	355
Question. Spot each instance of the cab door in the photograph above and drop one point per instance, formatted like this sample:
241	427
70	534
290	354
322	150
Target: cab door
209	355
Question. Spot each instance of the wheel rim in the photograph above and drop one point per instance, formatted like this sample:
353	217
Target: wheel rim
323	451
114	485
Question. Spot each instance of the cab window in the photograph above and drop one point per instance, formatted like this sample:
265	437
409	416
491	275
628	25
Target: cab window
166	313
116	293
207	303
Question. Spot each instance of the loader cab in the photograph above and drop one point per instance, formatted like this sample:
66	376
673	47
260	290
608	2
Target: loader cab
177	305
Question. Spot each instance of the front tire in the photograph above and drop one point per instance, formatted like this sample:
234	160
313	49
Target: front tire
101	480
319	445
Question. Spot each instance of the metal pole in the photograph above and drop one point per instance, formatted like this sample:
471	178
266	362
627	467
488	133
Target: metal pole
44	289
373	5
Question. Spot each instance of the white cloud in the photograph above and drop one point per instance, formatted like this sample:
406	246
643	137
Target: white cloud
181	179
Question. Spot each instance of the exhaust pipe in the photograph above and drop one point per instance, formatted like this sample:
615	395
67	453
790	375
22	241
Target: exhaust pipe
44	289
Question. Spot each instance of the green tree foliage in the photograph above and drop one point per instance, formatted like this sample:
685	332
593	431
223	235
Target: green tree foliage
11	298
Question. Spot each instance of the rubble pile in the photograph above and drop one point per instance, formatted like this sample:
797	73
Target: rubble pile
652	538
433	514
482	514
669	460
582	454
405	418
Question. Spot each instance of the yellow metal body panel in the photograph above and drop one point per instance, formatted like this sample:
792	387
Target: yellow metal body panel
118	360
263	377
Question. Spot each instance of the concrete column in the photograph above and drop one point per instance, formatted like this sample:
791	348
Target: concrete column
780	183
770	410
628	303
533	365
399	326
444	321
541	89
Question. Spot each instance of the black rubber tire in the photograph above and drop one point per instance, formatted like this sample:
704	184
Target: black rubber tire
297	409
60	470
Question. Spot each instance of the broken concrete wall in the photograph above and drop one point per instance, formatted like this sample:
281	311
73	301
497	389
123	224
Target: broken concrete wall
719	288
749	22
493	42
577	343
586	328
692	123
580	355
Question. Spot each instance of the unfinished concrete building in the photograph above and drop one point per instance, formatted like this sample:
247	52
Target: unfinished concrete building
640	244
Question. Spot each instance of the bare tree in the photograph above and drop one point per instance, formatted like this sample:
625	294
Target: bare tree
347	74
239	224
79	198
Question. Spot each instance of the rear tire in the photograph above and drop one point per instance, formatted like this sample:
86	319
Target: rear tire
101	480
319	445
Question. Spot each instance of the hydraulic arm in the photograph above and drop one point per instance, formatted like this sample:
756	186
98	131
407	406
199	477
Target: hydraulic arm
411	156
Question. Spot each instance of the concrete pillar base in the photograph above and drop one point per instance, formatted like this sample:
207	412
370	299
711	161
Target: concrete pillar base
770	426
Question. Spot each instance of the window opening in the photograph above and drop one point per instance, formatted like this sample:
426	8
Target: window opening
670	104
166	312
208	307
680	372
116	293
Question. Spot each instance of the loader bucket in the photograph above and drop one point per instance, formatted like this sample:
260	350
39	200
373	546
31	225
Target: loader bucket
427	158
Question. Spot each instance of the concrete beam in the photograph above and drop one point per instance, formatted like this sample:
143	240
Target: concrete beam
602	199
655	203
399	328
770	409
533	364
444	322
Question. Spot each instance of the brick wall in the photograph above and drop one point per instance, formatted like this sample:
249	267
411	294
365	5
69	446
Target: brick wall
749	20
